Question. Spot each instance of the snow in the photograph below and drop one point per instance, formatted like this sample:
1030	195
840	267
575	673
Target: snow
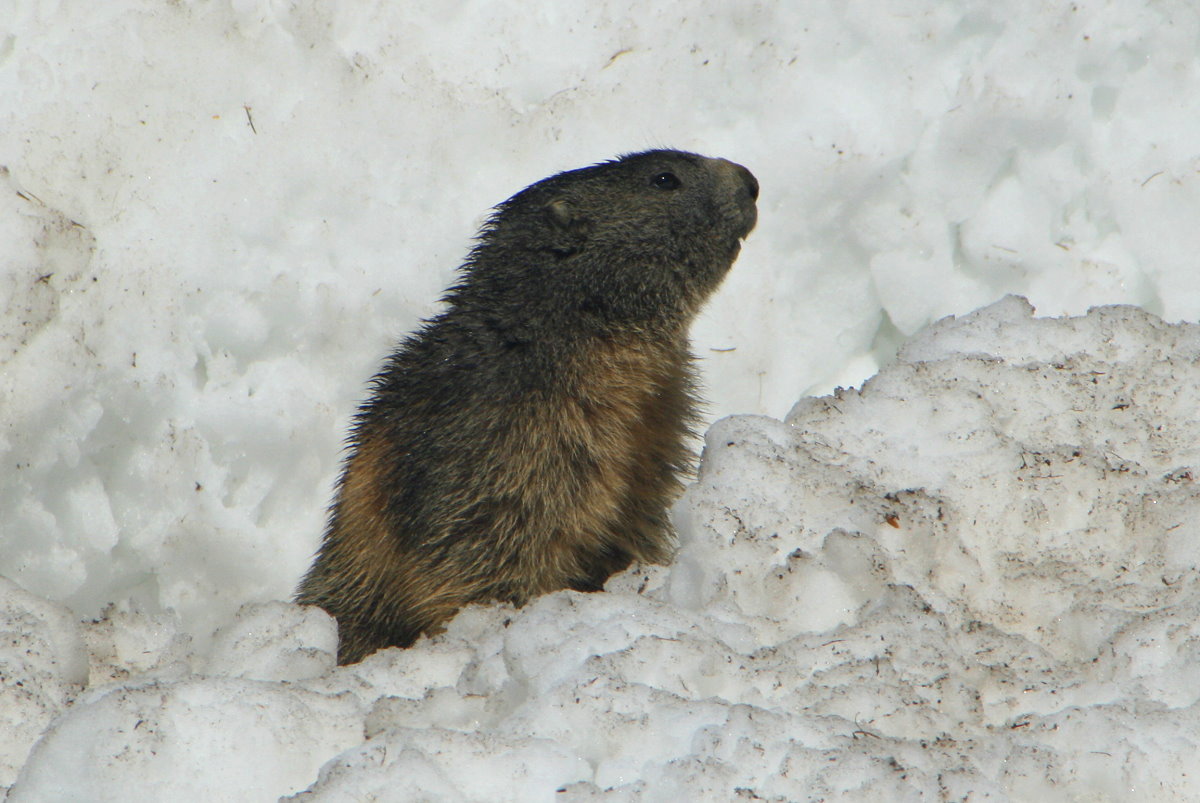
974	575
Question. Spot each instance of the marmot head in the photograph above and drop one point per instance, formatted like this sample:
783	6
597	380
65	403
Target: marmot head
640	239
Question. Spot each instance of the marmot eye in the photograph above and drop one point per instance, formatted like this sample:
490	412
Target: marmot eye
665	181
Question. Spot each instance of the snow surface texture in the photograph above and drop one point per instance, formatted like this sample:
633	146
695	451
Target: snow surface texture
217	216
996	595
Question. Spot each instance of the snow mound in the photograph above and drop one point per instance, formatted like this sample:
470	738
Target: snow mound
975	575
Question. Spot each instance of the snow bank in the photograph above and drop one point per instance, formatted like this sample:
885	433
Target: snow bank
977	574
216	217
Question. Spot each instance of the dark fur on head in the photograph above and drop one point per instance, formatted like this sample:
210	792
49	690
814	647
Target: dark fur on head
531	436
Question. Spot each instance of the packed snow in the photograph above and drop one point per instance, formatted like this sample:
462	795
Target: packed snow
972	577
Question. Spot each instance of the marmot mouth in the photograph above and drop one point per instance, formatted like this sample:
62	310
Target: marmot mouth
751	214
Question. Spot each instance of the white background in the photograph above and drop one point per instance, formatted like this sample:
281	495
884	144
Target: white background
216	217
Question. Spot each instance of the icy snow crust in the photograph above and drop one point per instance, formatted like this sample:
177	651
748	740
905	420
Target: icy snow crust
218	216
996	594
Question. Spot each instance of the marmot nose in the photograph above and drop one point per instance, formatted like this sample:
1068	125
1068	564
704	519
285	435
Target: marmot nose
750	181
733	169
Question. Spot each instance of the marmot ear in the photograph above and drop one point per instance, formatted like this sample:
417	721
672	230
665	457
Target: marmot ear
560	213
572	227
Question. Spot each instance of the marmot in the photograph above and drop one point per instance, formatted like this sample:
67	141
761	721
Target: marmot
531	437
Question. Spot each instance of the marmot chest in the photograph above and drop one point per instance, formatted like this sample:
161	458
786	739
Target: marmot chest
610	434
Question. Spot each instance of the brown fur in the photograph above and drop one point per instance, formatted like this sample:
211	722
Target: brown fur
531	437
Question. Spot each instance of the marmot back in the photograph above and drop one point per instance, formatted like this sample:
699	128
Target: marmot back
531	437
